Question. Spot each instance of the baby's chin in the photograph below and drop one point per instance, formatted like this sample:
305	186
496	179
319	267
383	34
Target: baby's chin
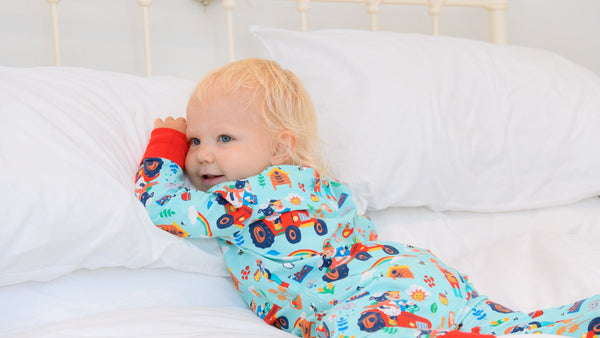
208	183
189	183
205	185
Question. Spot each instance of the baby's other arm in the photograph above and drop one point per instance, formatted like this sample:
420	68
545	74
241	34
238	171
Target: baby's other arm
159	186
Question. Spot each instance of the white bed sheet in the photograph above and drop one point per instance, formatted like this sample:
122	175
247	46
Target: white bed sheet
163	322
525	260
169	322
87	293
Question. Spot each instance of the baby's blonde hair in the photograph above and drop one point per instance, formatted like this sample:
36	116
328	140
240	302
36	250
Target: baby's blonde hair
280	98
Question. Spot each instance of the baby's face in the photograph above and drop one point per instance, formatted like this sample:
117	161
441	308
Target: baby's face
227	140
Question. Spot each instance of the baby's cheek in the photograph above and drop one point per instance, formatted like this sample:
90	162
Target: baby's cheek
188	161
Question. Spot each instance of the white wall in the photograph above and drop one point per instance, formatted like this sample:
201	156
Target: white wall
189	39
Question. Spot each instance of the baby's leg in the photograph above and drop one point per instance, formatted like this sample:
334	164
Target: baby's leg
409	293
580	319
361	318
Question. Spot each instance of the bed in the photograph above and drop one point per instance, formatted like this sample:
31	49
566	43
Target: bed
488	154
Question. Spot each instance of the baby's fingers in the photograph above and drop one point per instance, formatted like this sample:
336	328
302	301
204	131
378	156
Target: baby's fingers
158	123
171	122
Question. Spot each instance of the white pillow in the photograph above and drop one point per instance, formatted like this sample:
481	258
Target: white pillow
448	123
70	143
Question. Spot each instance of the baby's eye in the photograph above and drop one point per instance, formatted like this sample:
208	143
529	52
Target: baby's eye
195	141
225	138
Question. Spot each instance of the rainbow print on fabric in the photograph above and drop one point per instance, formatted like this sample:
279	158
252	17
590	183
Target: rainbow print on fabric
204	224
383	261
304	252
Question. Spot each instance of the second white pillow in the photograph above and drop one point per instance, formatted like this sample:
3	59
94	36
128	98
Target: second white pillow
448	123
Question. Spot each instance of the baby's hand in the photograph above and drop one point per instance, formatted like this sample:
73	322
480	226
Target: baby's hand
178	124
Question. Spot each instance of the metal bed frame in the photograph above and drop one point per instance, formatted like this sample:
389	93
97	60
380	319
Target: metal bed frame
496	8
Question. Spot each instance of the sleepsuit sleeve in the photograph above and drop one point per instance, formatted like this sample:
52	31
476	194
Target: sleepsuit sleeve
171	206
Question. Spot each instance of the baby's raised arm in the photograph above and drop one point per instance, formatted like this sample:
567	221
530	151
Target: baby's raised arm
160	187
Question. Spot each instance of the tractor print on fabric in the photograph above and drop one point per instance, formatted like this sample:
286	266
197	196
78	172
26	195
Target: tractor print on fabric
237	200
389	310
339	263
263	232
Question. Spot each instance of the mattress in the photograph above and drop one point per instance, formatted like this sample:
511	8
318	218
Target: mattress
524	260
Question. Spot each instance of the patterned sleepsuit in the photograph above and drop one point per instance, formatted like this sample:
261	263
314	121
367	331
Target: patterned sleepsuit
305	261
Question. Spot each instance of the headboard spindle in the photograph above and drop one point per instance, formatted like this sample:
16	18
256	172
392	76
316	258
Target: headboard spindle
373	10
497	9
302	6
145	4
229	5
55	31
435	7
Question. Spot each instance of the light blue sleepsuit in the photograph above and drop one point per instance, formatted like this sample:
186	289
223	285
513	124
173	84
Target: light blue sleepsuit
304	260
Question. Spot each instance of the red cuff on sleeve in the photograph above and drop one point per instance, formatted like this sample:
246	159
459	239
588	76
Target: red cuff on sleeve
167	143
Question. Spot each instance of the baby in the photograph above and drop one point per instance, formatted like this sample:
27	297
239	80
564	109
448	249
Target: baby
299	254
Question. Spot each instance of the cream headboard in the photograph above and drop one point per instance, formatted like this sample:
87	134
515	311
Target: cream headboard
496	8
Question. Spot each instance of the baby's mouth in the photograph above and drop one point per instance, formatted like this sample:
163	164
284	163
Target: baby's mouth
212	179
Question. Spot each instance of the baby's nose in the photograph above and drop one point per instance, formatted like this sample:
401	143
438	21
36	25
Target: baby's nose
205	154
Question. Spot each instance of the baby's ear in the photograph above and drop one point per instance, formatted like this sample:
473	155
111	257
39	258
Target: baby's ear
285	144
